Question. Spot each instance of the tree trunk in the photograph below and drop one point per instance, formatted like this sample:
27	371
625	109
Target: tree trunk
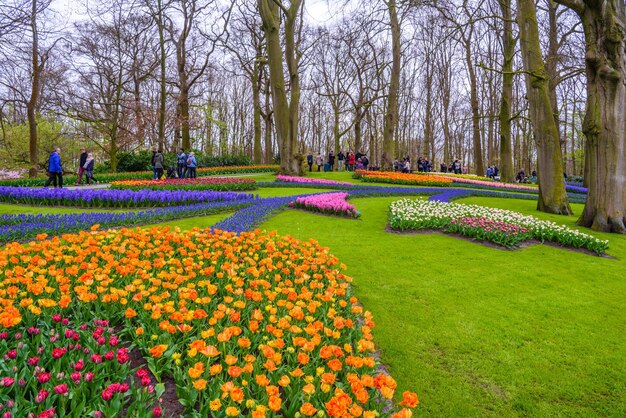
269	153
162	95
285	111
604	125
139	120
256	100
31	106
428	120
476	139
183	105
391	115
552	195
507	170
552	60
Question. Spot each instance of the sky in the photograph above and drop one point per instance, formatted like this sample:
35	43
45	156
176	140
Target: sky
316	11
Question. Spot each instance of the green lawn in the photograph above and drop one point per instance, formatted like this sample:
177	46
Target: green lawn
10	209
481	331
477	331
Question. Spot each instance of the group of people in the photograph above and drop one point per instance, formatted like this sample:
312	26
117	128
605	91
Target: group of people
493	172
186	165
423	165
402	165
521	177
350	160
455	167
86	165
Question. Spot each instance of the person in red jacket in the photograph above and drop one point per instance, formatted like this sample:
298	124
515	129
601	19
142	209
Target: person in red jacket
351	161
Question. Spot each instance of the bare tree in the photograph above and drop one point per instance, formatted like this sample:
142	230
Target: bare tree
194	48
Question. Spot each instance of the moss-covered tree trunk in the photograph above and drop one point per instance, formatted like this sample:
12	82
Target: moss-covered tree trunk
604	23
552	194
292	57
285	110
391	114
507	170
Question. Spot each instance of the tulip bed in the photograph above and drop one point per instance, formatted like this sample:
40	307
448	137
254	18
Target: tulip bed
329	203
53	366
247	325
402	178
502	227
26	227
314	181
112	198
196	184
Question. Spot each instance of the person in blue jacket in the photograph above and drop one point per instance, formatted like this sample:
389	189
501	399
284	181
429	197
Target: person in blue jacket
181	166
55	169
191	166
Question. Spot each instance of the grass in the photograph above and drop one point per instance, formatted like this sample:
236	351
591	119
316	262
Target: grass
476	331
479	331
10	209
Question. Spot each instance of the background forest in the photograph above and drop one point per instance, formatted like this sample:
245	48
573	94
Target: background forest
125	75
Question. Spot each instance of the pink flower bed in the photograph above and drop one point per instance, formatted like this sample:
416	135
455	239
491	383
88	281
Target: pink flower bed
331	203
306	180
495	184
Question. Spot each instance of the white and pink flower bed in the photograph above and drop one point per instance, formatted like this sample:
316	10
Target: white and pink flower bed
494	184
503	227
329	203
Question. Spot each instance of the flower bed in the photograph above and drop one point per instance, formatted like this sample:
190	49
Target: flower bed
246	324
402	178
102	198
145	175
497	225
329	203
27	227
197	184
495	184
456	176
242	169
51	365
314	181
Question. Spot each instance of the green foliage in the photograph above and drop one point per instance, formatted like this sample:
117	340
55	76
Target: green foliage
142	160
479	331
51	134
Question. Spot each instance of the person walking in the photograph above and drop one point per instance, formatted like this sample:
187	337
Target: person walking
351	161
154	172
88	168
81	166
319	161
181	163
309	161
159	164
55	169
365	161
340	159
331	161
191	165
